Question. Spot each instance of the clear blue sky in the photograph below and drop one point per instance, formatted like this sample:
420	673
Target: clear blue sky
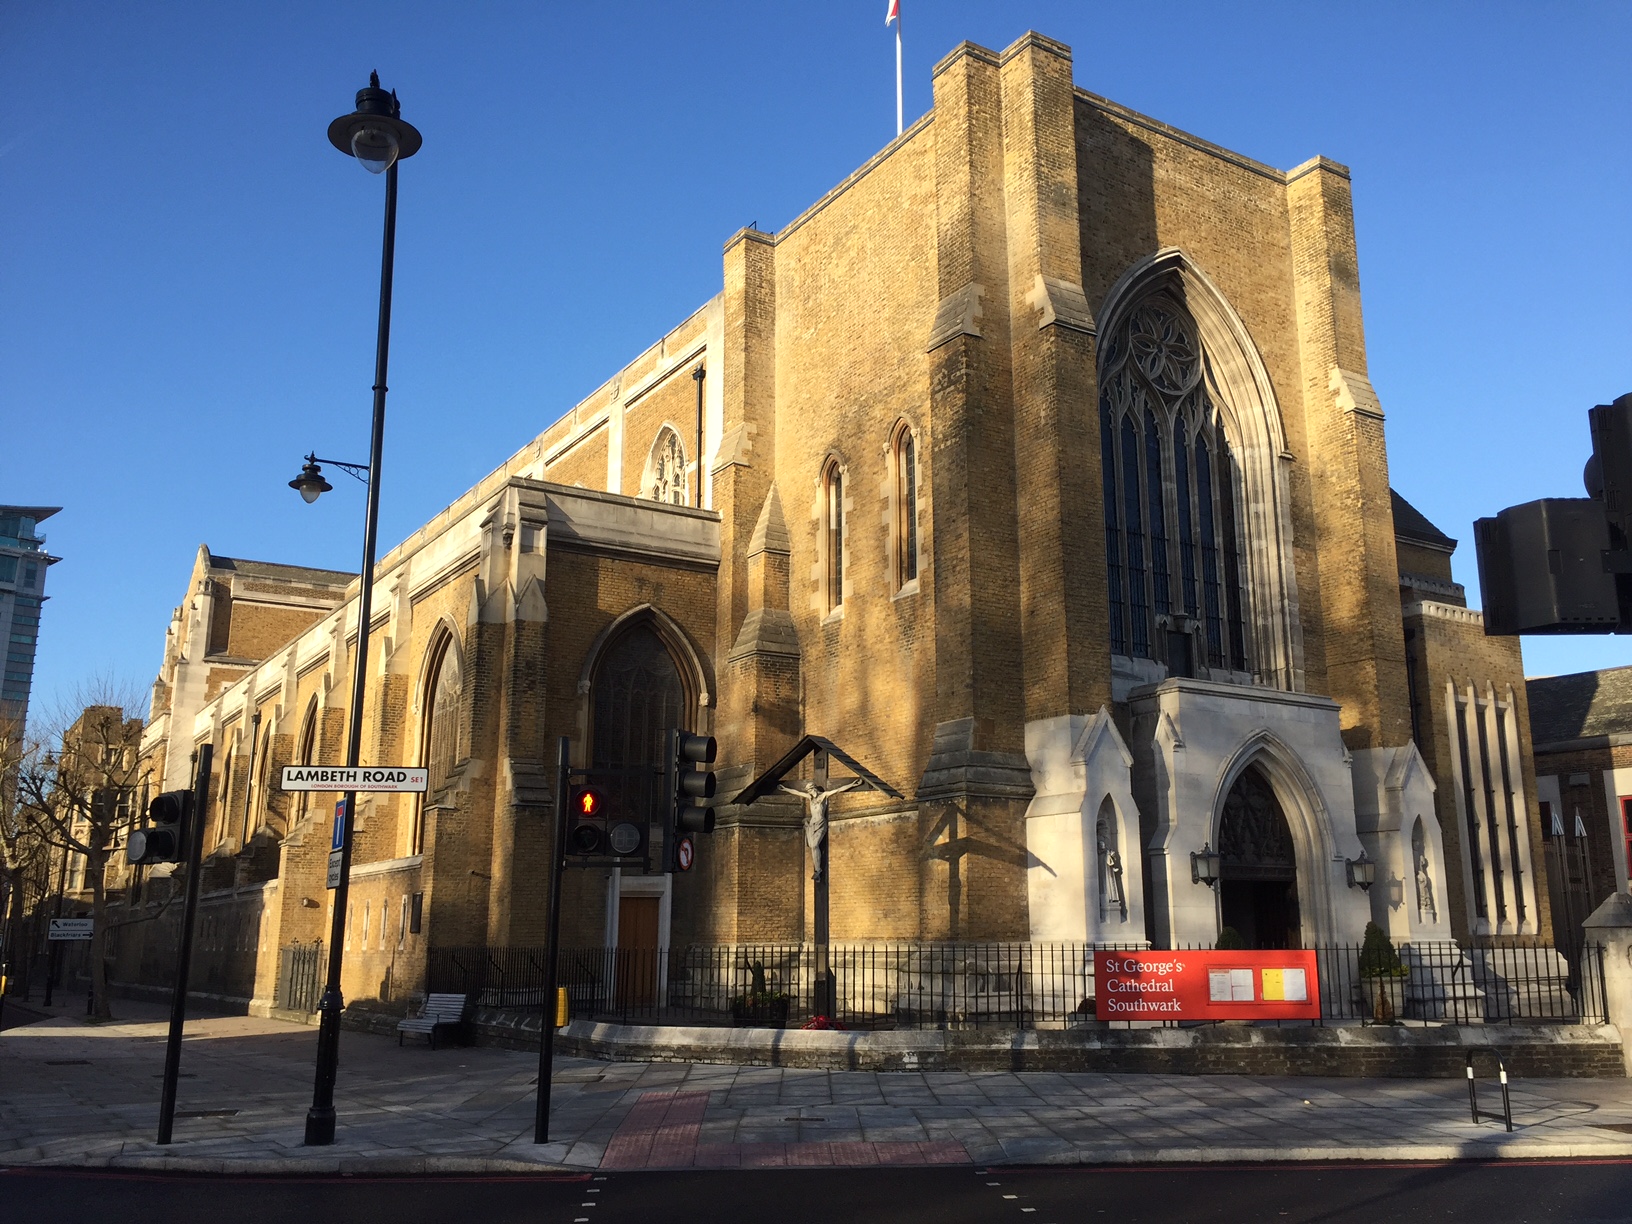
188	279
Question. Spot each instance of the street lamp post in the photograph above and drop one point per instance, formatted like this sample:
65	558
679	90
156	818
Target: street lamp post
378	138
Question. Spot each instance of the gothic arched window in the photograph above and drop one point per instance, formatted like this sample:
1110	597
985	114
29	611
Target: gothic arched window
1171	490
637	695
665	479
439	738
904	454
305	755
833	533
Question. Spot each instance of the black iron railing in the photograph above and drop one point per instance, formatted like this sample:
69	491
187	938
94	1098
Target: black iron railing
998	985
300	976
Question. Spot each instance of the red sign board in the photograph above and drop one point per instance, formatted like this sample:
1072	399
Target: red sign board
1206	985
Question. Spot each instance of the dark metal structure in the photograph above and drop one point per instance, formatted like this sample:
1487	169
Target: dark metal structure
378	138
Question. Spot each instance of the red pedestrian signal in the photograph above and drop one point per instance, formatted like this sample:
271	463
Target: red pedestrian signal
588	832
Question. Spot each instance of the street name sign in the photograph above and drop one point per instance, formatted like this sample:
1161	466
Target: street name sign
71	928
354	778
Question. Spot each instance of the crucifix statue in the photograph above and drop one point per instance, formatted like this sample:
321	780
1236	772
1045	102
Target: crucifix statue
816	795
816	799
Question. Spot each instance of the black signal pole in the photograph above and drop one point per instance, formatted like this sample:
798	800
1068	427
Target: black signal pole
546	1028
184	954
378	138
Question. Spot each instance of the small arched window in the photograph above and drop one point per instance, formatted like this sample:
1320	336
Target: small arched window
904	462
439	737
224	803
665	478
258	806
833	533
304	755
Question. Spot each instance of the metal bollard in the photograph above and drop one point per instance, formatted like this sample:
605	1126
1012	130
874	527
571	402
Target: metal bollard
1473	1091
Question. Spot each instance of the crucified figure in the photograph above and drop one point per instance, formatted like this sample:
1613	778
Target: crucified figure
816	800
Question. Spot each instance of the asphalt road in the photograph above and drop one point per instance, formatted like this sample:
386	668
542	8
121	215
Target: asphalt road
1583	1192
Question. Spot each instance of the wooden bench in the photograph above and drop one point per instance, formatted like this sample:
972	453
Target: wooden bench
440	1011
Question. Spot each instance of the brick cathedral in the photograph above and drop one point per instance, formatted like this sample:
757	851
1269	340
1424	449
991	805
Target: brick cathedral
1037	466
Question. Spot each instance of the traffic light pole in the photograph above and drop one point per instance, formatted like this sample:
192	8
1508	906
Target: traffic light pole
184	954
552	944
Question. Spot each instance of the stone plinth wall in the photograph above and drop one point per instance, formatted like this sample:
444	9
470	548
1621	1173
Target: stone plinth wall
1386	1051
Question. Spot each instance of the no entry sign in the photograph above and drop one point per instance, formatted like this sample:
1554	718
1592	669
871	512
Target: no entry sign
1206	985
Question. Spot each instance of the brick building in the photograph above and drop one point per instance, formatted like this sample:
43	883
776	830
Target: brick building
1036	465
1582	725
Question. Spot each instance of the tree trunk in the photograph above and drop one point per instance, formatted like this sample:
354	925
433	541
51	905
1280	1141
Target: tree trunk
95	869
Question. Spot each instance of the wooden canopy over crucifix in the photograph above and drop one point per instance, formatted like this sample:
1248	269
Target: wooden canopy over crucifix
816	794
824	748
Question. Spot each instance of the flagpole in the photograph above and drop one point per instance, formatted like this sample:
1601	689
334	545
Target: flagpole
898	72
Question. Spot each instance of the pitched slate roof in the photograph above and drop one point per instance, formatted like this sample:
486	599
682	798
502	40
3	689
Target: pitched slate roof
1580	705
1409	524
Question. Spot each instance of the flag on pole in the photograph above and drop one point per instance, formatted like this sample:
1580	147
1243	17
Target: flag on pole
893	13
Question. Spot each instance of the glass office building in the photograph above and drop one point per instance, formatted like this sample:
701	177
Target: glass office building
23	565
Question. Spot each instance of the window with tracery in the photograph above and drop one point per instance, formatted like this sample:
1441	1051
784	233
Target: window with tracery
637	696
1174	557
666	469
904	452
833	533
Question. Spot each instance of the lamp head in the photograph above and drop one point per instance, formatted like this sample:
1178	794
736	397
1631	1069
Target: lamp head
310	483
1362	872
1206	865
374	133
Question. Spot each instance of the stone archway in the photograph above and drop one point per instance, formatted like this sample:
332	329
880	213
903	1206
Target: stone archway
1258	877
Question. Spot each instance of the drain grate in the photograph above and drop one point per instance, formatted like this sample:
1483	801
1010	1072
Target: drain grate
206	1113
67	1062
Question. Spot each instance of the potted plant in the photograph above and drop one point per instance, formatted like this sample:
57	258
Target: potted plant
1382	977
761	1007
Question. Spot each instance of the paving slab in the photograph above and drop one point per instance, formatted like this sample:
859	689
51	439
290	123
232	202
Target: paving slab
86	1095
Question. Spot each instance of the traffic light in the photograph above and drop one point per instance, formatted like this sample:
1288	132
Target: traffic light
1562	564
689	786
164	839
587	833
1541	568
1609	472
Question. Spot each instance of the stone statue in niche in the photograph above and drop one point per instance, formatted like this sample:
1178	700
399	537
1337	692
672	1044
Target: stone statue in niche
816	801
1426	911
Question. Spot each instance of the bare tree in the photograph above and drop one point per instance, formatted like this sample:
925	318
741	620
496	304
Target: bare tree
80	796
23	851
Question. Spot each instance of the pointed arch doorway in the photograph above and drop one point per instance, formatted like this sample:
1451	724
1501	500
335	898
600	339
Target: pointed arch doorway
1258	875
637	694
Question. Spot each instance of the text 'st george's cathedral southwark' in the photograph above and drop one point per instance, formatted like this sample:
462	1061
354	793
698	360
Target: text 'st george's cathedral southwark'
1040	472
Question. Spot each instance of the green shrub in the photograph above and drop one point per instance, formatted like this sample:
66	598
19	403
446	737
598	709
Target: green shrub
1377	955
1230	940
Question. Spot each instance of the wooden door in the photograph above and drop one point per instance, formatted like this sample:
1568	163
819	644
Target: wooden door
637	952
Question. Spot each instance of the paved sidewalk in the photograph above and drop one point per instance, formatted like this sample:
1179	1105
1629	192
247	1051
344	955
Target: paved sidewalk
76	1094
